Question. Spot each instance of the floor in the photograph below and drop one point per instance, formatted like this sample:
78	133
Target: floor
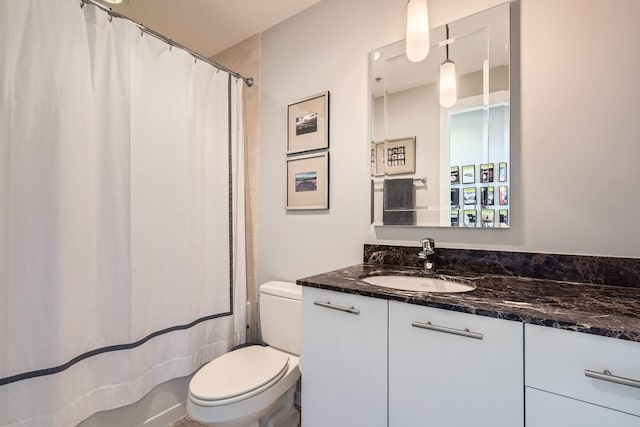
186	422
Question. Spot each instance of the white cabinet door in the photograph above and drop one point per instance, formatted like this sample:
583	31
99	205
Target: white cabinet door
551	410
344	360
453	369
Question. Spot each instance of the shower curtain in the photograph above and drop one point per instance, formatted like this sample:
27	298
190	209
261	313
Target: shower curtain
121	212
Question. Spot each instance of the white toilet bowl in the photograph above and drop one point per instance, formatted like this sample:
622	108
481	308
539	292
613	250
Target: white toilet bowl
254	386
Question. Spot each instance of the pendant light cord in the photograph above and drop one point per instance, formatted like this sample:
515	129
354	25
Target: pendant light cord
447	40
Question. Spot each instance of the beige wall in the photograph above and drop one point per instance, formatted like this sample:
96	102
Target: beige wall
244	58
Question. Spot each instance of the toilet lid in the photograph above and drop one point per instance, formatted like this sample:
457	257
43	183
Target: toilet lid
238	372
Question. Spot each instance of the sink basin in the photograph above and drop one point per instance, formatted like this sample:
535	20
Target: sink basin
420	284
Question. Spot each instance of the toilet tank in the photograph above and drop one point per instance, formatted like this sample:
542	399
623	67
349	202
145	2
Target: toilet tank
281	316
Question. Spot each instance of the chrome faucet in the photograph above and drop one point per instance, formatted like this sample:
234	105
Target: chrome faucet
428	254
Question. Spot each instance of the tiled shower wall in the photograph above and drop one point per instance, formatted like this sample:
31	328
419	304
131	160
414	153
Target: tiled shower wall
244	58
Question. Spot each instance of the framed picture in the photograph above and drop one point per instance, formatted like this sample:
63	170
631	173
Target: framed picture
400	156
308	182
470	217
455	197
377	158
486	172
503	197
502	172
308	124
503	218
469	174
455	175
487	196
488	217
469	196
455	217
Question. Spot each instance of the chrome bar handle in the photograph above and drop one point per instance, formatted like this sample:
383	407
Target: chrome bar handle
608	376
328	304
465	333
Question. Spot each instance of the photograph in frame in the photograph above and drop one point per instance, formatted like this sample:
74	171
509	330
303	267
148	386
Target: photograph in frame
377	158
487	196
455	197
487	217
503	195
308	124
503	218
470	217
455	217
308	182
455	175
400	156
469	174
469	196
486	172
502	172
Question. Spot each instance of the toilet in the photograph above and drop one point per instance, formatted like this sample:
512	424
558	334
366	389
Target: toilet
254	386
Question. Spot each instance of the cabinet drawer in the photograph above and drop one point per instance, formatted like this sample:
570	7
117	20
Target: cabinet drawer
550	410
560	361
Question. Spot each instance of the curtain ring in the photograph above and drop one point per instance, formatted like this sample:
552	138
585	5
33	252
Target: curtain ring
81	4
110	17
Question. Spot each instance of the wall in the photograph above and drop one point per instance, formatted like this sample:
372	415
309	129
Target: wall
574	130
244	58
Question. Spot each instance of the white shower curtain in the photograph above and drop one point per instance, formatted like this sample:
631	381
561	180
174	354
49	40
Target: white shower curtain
121	212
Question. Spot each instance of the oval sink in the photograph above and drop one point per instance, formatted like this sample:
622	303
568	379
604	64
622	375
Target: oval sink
420	284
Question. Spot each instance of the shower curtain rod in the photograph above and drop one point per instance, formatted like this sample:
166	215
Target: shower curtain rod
172	43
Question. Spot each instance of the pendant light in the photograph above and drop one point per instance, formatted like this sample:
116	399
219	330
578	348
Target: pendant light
417	30
448	86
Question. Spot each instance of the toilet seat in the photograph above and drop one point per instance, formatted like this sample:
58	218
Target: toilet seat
238	375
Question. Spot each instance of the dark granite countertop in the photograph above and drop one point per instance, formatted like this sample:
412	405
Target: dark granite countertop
610	311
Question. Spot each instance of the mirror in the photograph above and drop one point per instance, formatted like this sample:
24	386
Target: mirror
435	166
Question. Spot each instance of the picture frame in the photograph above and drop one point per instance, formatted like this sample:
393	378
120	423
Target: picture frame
502	172
487	217
470	217
469	196
487	196
455	217
503	218
400	156
503	195
455	175
308	124
469	174
455	197
307	182
377	158
486	172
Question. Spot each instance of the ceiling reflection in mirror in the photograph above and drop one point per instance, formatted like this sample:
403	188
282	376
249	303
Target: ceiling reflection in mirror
437	166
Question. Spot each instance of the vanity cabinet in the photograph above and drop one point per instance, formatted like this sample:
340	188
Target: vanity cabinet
344	359
453	369
566	382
